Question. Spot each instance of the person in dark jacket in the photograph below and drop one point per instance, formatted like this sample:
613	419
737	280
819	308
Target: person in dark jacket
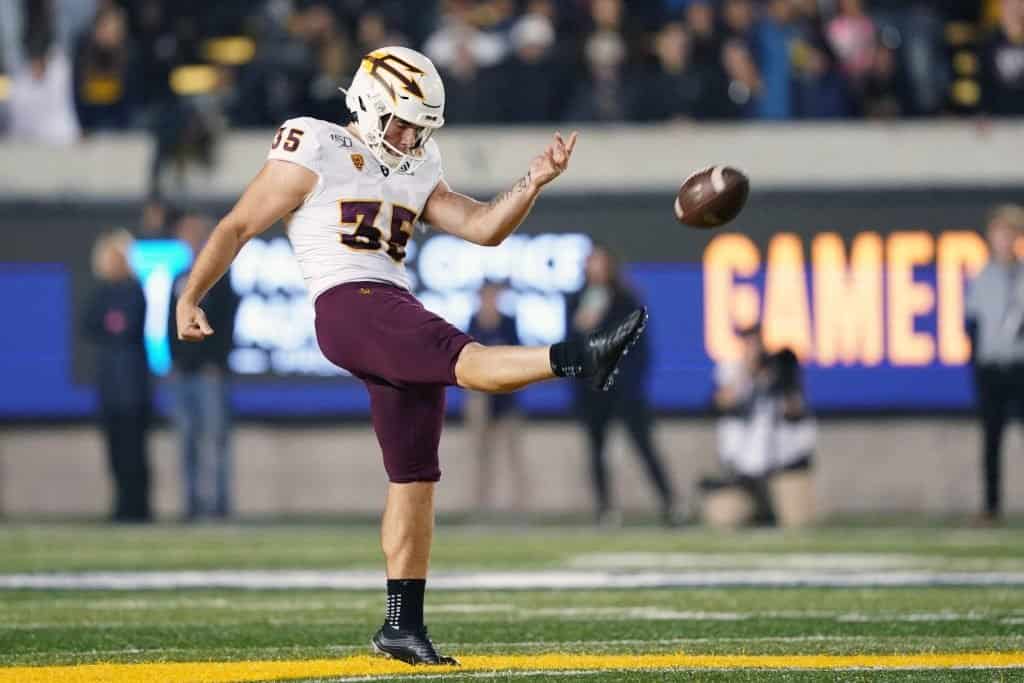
1002	64
114	321
604	298
200	377
494	420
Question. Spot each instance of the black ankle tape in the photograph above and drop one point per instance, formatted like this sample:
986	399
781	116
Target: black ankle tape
567	358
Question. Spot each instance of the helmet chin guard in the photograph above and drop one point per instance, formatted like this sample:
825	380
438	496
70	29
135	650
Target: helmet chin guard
396	82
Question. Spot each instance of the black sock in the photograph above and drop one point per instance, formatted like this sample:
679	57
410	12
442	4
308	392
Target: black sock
405	603
567	358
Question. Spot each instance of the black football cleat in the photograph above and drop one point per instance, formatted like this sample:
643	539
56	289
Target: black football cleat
411	647
604	350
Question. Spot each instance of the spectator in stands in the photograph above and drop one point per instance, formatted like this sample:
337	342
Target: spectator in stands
472	87
529	76
603	97
41	100
493	420
668	88
773	59
602	35
201	378
279	82
767	59
924	56
745	85
1002	63
108	93
605	295
819	89
469	61
995	324
114	321
159	49
705	57
885	92
742	79
738	20
852	35
457	32
607	15
331	62
774	38
373	31
700	22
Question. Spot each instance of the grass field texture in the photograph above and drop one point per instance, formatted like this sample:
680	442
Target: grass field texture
973	630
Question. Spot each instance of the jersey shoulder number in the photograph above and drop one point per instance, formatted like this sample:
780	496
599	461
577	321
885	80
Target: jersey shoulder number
299	140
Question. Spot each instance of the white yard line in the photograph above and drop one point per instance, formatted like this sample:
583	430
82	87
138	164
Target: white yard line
295	604
505	580
838	562
632	613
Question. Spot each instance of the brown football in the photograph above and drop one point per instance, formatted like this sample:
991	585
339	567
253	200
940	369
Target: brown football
712	197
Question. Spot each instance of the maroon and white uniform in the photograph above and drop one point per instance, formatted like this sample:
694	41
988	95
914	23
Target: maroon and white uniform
350	238
356	223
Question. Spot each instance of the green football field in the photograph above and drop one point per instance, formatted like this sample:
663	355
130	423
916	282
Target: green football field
299	602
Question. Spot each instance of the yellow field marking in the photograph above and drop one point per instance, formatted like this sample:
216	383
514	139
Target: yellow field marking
225	672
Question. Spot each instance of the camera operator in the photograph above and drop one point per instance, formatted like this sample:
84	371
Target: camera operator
765	432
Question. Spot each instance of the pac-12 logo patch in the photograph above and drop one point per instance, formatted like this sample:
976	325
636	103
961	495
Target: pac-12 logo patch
358	161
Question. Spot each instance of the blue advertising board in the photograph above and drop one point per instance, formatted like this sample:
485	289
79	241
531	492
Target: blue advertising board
897	343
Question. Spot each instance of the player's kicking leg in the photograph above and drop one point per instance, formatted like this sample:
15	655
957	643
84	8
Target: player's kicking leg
595	357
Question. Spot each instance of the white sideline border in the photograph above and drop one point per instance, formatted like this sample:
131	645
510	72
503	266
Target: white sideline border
501	580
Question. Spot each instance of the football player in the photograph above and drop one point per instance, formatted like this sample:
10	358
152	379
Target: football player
357	190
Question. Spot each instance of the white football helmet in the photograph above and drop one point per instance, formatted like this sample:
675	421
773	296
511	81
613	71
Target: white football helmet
390	82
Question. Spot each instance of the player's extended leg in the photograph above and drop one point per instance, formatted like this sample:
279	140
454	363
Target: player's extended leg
498	369
507	368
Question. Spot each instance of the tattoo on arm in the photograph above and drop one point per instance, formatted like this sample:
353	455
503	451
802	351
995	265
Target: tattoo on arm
521	185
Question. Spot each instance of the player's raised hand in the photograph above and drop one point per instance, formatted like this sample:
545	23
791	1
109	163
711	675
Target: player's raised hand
553	161
192	324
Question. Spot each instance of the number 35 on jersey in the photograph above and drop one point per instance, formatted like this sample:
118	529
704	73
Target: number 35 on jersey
357	222
363	213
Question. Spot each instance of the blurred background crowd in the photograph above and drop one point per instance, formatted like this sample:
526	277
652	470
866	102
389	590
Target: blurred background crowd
186	74
188	68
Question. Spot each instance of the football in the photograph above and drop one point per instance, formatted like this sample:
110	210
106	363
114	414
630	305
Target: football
712	197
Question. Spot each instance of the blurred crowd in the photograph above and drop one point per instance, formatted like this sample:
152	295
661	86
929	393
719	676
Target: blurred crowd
187	68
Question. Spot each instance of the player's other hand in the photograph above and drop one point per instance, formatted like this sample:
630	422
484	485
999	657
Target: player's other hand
192	324
553	161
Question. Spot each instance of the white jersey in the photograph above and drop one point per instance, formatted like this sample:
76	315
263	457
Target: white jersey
357	221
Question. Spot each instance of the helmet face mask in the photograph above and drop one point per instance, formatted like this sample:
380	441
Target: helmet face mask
396	82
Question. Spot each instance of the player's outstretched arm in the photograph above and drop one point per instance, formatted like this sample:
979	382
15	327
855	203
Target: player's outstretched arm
279	188
489	224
